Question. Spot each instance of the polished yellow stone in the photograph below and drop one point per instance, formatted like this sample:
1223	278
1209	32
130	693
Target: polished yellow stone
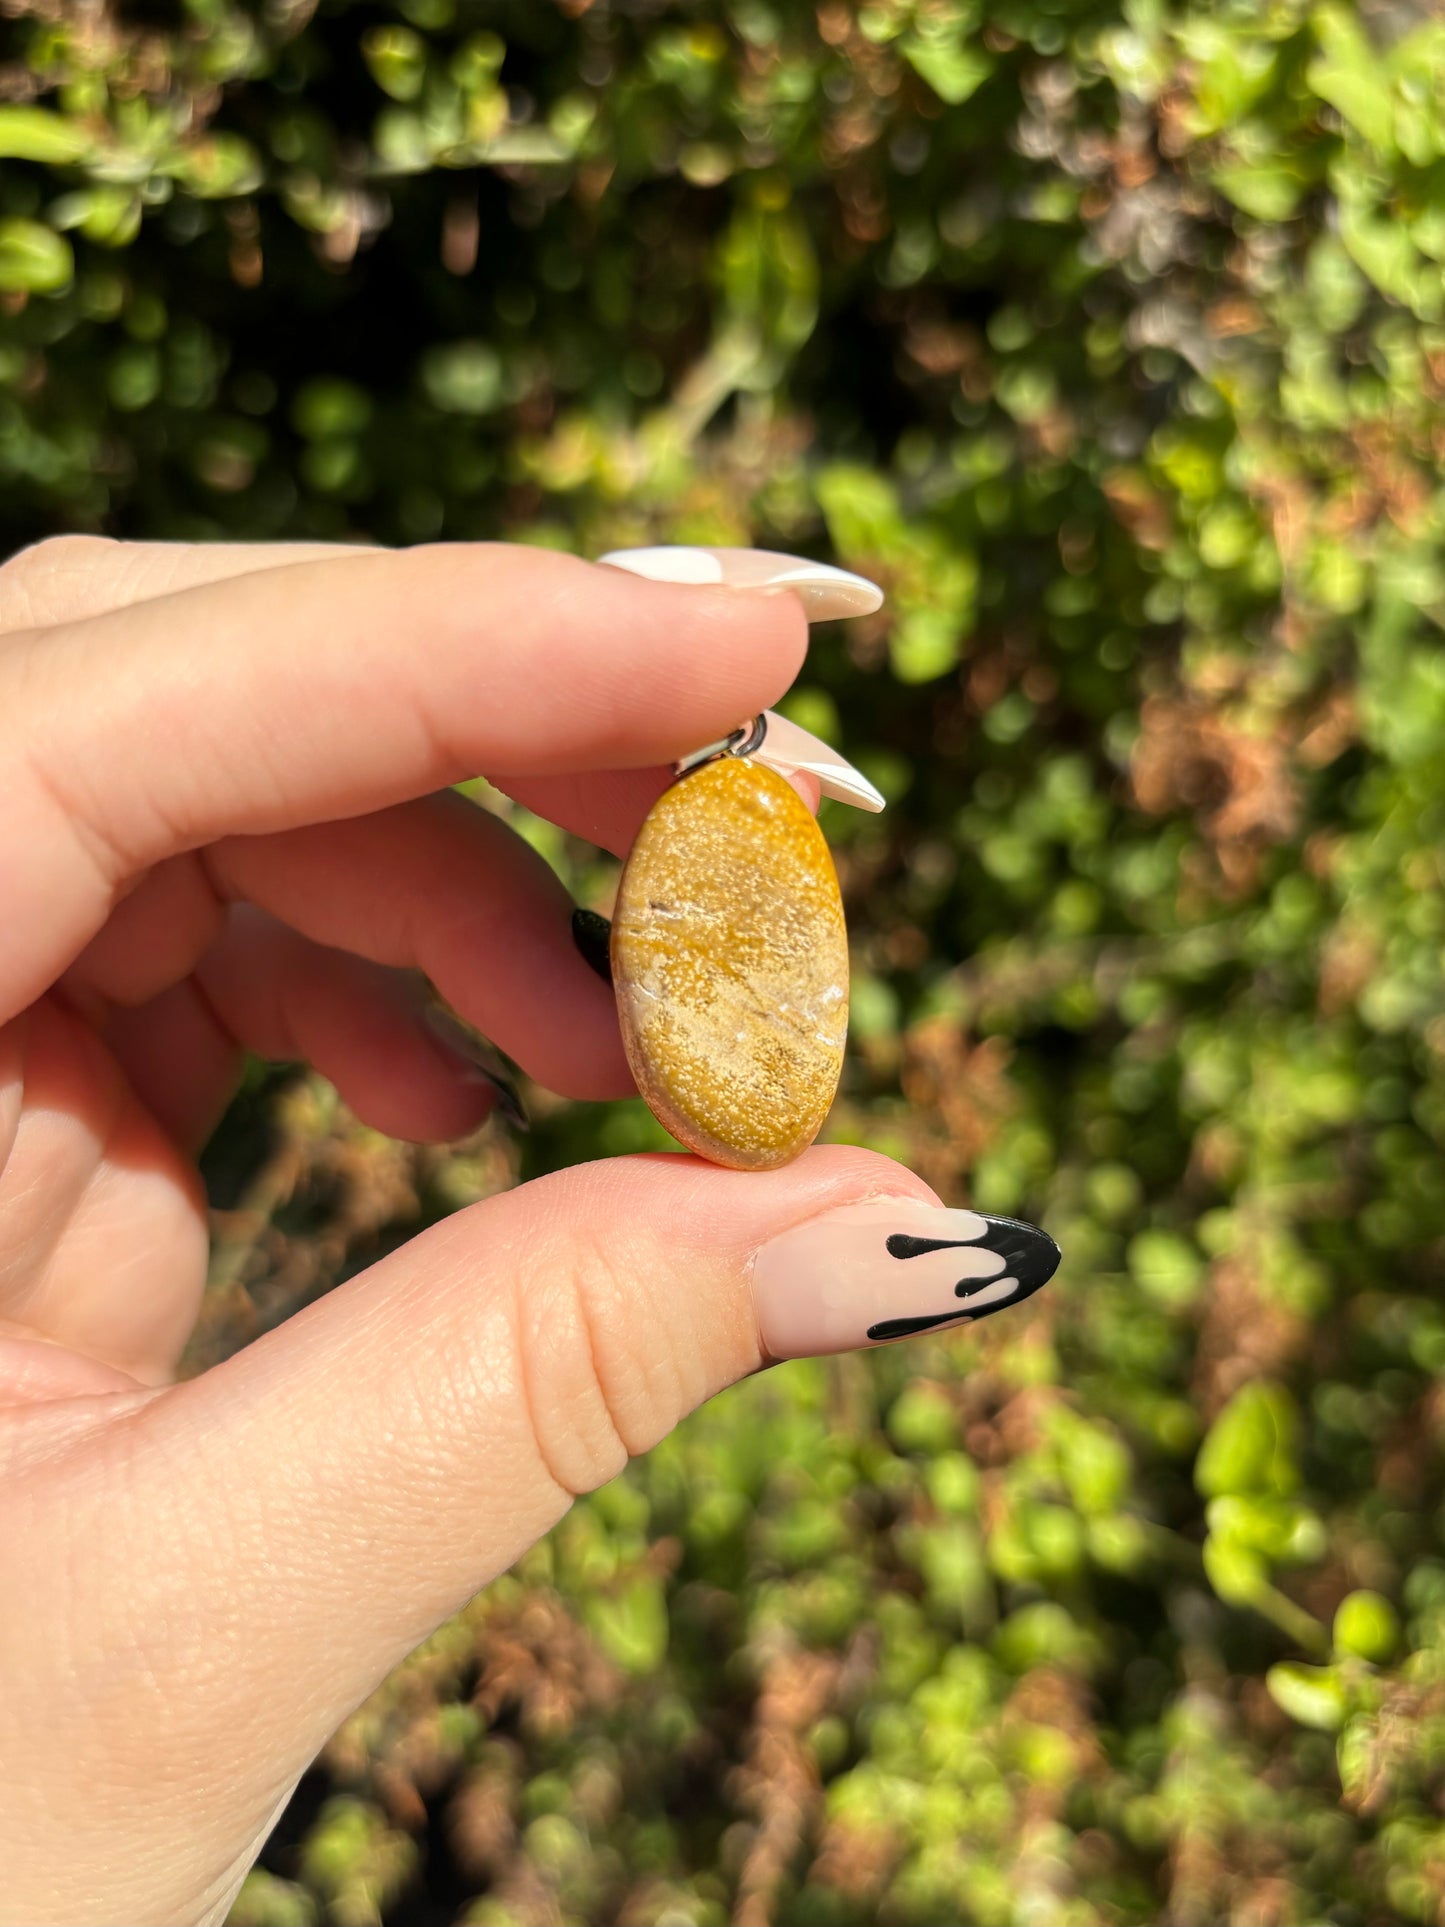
730	959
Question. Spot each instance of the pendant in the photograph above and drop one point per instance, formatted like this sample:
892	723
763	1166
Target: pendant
730	952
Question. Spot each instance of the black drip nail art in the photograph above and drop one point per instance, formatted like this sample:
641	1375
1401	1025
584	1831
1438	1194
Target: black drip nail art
910	1327
1030	1258
509	1102
900	1245
475	1052
1029	1255
592	935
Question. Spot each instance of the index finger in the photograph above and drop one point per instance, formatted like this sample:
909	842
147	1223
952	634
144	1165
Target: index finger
328	688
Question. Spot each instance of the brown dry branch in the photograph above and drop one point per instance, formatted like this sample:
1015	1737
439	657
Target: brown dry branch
321	1203
1244	1334
536	1658
779	1780
1236	782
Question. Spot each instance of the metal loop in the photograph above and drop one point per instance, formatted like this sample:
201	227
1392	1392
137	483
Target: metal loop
749	739
745	740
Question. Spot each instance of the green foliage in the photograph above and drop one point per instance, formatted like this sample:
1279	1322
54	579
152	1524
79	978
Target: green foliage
1252	1446
1110	337
1366	1626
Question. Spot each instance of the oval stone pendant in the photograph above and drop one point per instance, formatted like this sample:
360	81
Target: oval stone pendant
730	961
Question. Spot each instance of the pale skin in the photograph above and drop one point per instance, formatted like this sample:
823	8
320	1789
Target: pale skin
226	826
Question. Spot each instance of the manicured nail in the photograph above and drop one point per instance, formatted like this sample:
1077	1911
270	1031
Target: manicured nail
825	591
477	1062
869	1273
592	935
789	750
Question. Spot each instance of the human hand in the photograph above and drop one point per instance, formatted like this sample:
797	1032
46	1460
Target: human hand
227	827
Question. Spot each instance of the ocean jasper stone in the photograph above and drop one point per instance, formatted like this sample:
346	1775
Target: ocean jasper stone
730	960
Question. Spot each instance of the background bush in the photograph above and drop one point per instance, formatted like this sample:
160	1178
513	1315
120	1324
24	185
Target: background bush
1112	340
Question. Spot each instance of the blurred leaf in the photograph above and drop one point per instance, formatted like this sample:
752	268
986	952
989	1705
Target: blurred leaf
37	134
463	378
1281	1529
327	406
1237	1573
1166	1267
954	68
769	276
632	1624
1350	77
923	1420
219	166
33	259
396	57
1251	1446
1382	248
109	216
1268	191
1313	1695
1366	1627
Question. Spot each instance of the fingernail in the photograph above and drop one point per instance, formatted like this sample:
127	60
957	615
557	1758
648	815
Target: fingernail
789	750
869	1273
592	935
824	591
476	1060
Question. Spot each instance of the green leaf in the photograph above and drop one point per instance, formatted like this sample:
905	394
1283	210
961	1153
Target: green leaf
34	259
1382	249
37	134
769	276
218	167
861	508
953	1482
106	214
519	147
631	1625
1123	1543
1094	1463
1281	1529
463	378
328	406
923	646
950	1557
923	1420
265	1900
1167	1267
1233	70
1312	1695
1251	1445
1366	1627
1335	577
1359	1755
1349	75
1269	192
477	62
135	376
953	68
1043	1634
396	59
1238	1574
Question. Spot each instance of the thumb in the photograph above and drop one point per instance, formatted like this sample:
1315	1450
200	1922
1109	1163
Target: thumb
315	1507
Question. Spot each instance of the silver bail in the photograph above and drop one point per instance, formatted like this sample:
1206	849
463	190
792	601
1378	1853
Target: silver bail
790	751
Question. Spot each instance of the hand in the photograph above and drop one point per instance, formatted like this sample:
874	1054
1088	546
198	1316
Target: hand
227	827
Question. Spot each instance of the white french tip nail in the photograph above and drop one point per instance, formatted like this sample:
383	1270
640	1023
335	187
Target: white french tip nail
825	592
792	751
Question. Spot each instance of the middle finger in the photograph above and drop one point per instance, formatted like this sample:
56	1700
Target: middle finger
437	885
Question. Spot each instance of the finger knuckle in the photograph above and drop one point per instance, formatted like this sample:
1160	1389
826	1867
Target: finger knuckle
599	1384
32	581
